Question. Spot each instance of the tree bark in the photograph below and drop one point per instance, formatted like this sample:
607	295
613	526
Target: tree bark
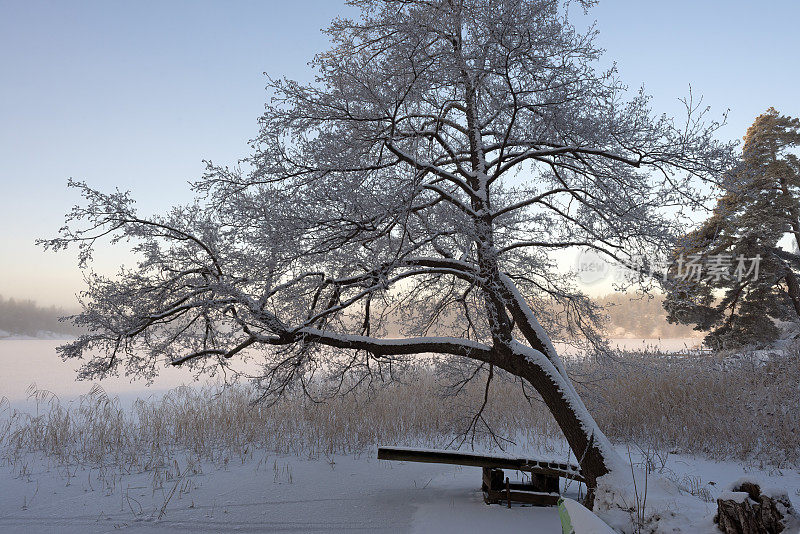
793	289
590	446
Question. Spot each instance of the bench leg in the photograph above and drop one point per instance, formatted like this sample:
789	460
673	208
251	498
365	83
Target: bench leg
492	485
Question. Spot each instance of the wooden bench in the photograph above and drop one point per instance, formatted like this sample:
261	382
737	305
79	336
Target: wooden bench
542	490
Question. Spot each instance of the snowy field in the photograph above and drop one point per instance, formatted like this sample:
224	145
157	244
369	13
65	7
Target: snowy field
290	494
277	495
261	491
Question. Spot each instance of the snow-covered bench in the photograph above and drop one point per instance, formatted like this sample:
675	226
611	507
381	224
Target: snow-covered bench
542	490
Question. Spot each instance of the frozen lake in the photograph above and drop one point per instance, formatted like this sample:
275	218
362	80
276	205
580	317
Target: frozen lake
26	362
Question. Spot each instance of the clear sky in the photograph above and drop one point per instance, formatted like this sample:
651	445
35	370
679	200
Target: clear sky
135	95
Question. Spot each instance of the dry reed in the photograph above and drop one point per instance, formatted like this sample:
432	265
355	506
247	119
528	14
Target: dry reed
735	408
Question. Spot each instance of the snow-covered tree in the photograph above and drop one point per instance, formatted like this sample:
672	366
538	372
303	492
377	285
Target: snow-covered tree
444	151
759	207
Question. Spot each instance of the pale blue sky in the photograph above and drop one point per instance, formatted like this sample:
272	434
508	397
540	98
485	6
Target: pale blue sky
136	94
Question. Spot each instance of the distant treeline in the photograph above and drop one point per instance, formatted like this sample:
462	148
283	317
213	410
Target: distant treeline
26	318
641	317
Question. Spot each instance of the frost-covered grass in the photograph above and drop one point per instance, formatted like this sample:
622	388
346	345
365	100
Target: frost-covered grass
223	423
722	408
741	407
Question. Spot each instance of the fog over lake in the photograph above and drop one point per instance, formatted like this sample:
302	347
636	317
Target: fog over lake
35	361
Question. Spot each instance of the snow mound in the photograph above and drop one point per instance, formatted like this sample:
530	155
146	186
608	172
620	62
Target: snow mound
645	502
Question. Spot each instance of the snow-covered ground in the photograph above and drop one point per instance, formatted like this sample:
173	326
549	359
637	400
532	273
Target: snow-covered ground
271	493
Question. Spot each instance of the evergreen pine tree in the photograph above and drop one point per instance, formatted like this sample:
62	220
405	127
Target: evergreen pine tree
756	280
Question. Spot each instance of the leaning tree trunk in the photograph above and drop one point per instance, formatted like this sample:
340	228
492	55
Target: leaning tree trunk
589	445
539	364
